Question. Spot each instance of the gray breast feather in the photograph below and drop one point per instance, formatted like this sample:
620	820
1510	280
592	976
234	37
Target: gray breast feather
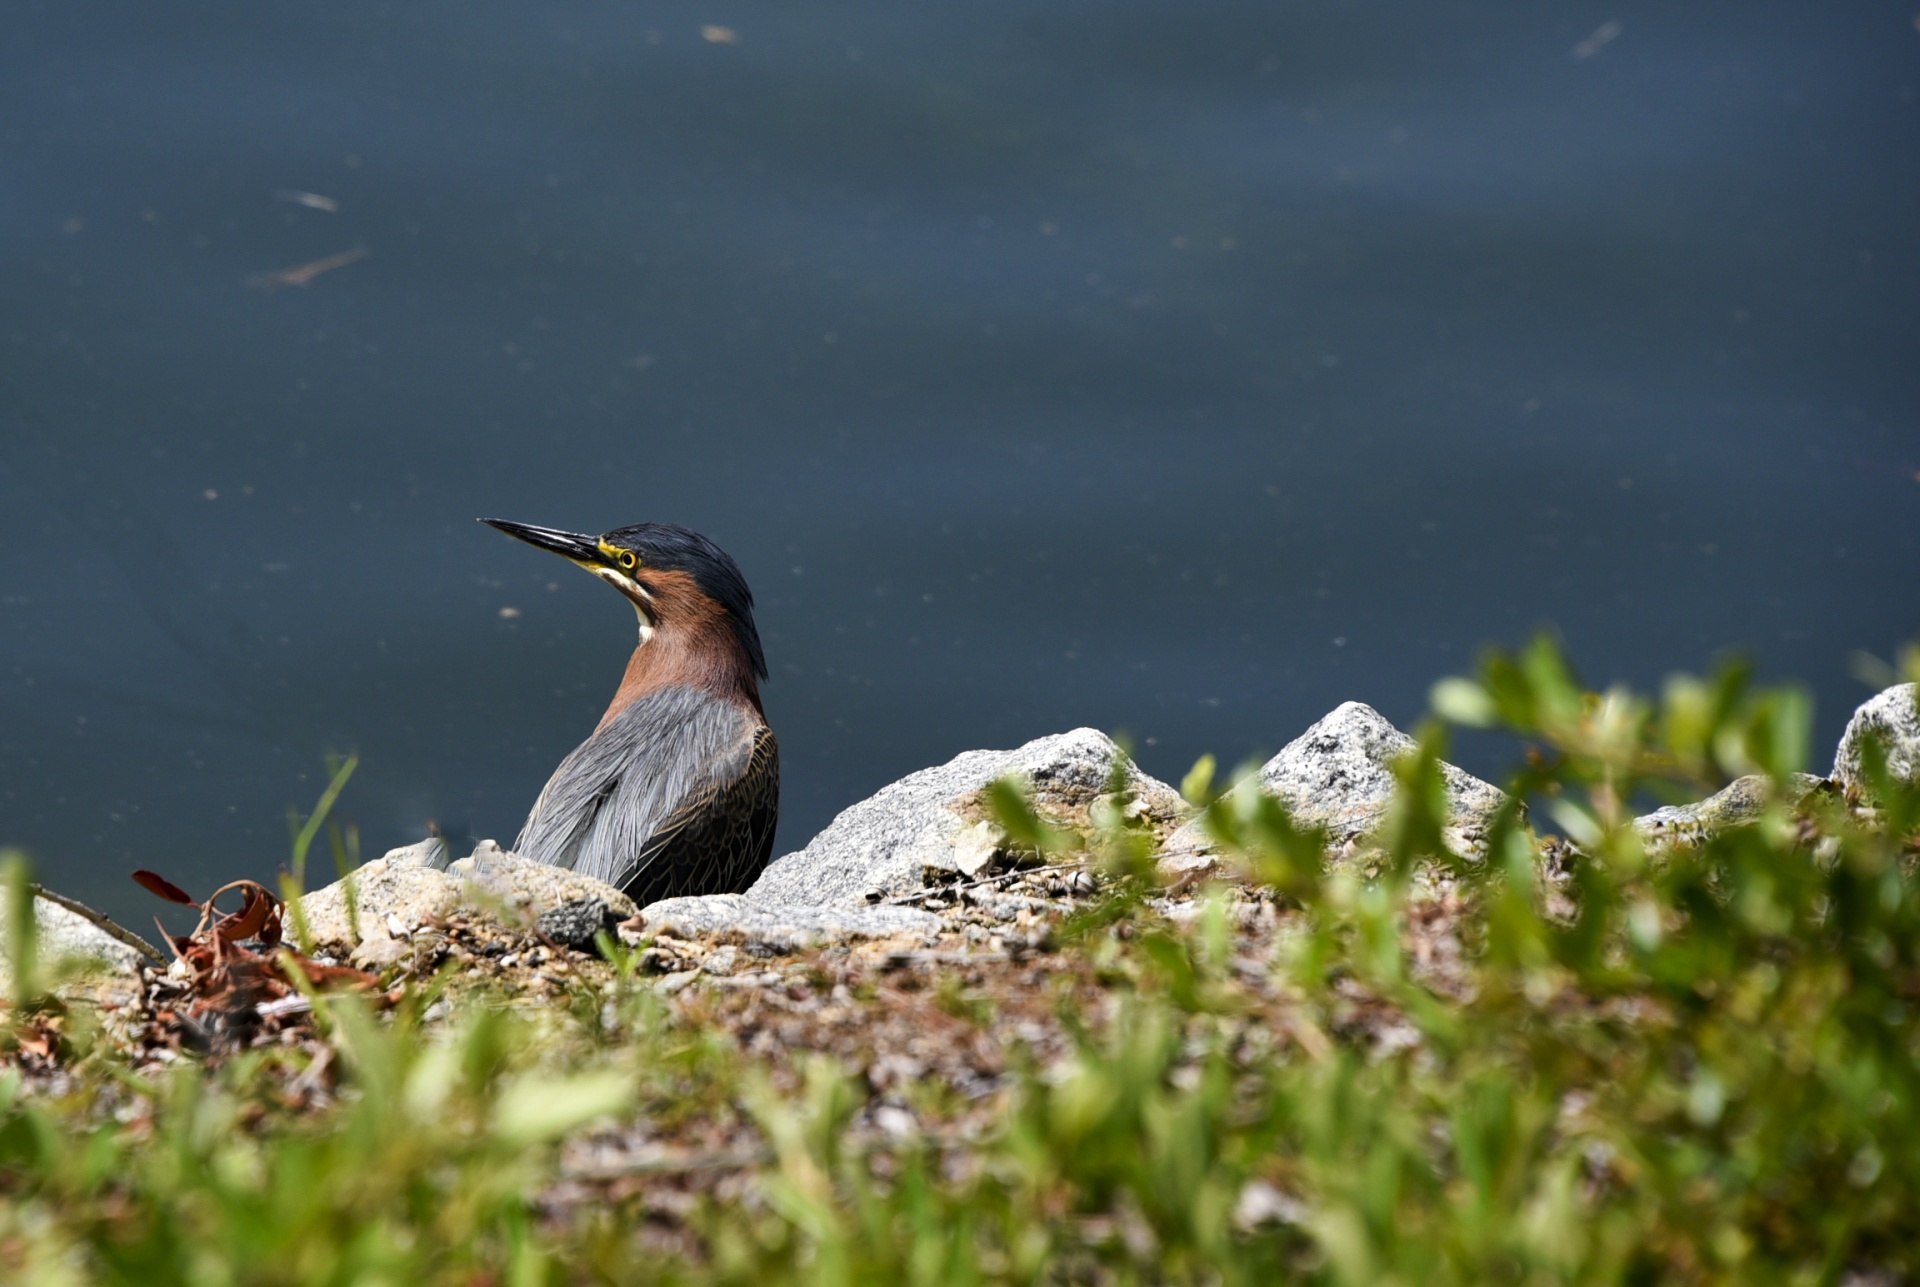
616	788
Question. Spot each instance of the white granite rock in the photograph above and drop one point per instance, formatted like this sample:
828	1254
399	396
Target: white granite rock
1894	717
881	847
534	886
1339	775
67	939
411	893
404	889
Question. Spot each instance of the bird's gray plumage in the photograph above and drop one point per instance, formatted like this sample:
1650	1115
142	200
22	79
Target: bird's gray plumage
676	793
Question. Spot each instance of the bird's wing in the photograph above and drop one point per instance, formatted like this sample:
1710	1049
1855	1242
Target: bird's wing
618	787
719	838
563	816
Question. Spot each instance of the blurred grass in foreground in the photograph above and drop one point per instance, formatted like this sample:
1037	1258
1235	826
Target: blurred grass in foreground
1692	1066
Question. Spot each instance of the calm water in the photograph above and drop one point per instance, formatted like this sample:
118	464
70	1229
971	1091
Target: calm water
1177	368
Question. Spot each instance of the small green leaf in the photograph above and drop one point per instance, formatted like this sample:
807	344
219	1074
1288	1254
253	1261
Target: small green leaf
1197	786
534	1109
1580	825
23	934
1463	701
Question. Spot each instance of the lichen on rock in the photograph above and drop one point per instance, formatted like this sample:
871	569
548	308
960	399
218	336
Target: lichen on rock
1743	801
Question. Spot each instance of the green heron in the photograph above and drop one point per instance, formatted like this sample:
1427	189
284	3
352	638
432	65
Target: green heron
677	790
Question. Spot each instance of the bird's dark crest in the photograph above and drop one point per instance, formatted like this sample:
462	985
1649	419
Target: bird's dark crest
669	547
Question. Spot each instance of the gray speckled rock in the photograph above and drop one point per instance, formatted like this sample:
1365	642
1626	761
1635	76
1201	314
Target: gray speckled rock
1739	802
733	918
575	924
881	846
67	939
1339	775
1893	716
490	882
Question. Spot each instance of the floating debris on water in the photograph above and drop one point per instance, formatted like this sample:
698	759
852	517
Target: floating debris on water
311	200
1603	35
305	273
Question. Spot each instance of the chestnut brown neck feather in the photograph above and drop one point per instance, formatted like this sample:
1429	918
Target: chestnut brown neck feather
693	644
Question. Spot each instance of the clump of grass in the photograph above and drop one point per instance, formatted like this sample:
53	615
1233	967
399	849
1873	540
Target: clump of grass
1697	1064
23	938
302	832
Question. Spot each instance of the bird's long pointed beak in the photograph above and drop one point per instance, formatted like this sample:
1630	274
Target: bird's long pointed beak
584	550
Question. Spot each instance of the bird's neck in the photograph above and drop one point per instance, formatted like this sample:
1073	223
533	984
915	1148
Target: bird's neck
703	653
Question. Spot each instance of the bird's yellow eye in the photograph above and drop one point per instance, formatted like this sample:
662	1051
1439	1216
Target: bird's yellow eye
629	560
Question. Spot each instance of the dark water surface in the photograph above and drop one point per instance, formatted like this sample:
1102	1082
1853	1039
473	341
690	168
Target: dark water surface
1179	368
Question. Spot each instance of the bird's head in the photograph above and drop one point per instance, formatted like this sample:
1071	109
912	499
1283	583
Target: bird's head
667	572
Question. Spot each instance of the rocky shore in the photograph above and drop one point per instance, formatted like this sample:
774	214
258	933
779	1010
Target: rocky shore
921	866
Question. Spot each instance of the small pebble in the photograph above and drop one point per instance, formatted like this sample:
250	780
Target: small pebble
897	1122
673	983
